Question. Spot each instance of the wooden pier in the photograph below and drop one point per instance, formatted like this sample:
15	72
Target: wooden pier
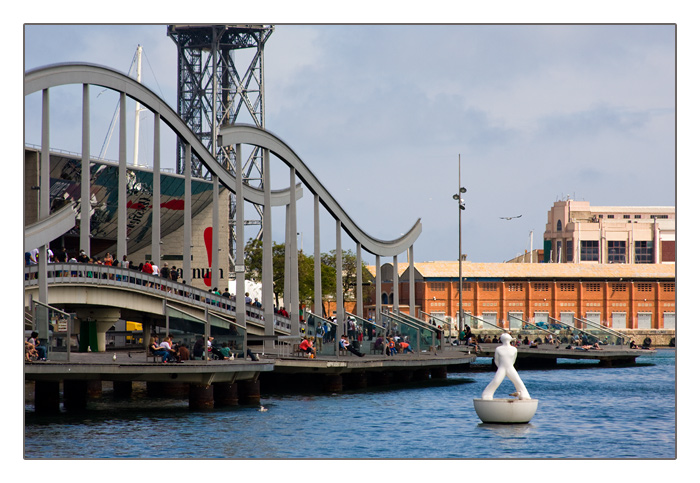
547	354
227	382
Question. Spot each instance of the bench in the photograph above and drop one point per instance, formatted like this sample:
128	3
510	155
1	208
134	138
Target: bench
297	352
153	357
376	350
150	355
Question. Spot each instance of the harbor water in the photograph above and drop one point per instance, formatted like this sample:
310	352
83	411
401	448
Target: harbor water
585	411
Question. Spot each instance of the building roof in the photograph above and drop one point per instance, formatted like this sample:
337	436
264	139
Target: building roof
450	269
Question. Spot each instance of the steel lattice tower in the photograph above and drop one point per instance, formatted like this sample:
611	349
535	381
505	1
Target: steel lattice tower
214	90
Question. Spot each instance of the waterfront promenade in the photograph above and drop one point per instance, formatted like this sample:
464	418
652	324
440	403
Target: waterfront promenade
548	354
228	382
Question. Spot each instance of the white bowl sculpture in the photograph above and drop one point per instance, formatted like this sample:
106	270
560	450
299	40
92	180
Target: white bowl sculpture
508	411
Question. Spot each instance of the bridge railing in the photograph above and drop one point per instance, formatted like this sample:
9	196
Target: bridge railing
126	278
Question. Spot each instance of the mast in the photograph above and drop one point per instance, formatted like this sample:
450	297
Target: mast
138	107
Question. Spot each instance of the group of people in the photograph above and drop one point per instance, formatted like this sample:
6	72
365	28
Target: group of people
307	346
33	350
393	345
170	272
167	351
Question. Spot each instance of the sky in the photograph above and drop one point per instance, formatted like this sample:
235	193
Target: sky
386	115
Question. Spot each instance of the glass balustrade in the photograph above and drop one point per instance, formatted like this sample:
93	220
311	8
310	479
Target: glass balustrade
366	334
324	333
53	329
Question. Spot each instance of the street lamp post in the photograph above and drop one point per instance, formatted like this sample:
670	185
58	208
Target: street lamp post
460	200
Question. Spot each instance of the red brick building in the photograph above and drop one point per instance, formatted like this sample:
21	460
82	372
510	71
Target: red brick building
620	296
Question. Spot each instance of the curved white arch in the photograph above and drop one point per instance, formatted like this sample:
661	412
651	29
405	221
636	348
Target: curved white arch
248	134
56	224
79	73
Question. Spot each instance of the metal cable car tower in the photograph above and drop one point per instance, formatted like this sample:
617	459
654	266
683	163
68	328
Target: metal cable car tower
214	90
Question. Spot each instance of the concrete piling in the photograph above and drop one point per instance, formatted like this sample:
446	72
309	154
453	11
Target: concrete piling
249	392
225	394
201	396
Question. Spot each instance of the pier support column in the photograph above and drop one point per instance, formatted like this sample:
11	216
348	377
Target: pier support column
403	376
122	389
75	394
167	389
381	378
225	394
46	397
94	389
438	372
94	324
249	392
201	396
421	375
332	383
355	380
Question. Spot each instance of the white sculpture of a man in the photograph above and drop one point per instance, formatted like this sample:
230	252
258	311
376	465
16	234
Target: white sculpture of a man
504	358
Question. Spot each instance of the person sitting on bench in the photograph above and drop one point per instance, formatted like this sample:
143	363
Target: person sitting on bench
345	344
307	347
157	351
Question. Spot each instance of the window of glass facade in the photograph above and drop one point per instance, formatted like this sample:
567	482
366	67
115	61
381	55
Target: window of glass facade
569	250
643	252
589	250
617	250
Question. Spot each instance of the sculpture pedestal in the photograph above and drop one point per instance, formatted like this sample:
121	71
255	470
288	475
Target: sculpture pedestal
505	411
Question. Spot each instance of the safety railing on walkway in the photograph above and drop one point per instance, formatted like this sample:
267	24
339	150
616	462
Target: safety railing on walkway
368	336
54	328
430	319
604	334
430	335
421	336
519	326
324	333
125	278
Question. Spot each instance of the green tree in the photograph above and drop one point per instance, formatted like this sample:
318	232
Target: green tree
253	263
349	264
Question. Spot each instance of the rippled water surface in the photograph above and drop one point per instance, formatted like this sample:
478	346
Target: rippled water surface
584	412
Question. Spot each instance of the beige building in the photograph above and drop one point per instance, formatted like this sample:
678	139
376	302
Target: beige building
579	233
